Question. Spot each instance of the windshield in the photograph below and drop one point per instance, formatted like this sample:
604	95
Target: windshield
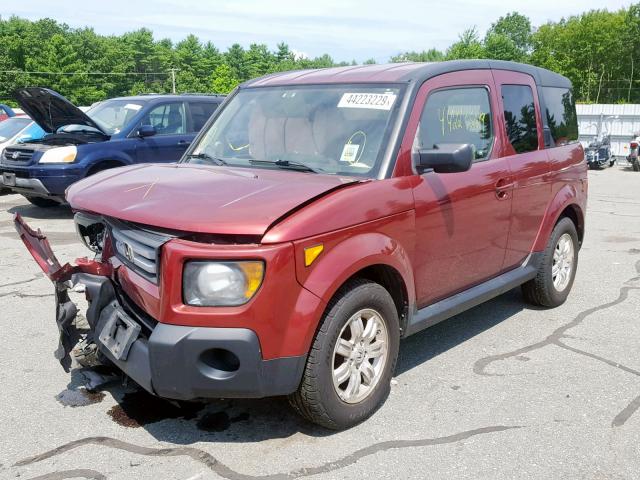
12	126
114	115
337	129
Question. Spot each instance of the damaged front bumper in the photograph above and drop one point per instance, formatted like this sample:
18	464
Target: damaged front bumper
172	361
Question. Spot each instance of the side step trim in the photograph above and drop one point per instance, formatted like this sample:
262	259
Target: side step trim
451	306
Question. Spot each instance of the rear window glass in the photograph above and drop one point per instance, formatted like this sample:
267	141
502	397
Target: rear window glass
457	116
561	115
520	117
200	113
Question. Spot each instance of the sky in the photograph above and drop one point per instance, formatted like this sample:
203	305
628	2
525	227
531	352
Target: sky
345	29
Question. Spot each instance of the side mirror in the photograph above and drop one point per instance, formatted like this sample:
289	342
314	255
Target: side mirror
147	131
446	158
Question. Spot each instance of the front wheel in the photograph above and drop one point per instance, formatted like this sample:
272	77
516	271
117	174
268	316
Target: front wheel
557	270
352	359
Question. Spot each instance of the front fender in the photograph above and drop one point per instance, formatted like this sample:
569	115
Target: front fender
92	156
389	242
567	196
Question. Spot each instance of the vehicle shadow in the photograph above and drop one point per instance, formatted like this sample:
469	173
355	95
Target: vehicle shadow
31	211
256	420
425	345
186	423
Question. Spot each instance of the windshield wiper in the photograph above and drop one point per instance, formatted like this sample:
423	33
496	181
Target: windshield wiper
206	156
287	164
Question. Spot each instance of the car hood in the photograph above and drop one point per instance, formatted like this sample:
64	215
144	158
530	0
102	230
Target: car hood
200	199
51	110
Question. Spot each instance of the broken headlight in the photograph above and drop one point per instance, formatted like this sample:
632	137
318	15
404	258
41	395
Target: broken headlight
91	231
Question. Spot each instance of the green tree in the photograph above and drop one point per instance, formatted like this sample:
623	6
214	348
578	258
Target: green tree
598	50
223	80
467	46
431	55
515	27
498	46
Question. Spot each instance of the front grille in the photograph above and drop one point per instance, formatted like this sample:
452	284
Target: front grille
146	321
137	247
17	154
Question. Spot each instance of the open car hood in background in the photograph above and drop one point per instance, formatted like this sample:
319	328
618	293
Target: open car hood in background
198	198
51	110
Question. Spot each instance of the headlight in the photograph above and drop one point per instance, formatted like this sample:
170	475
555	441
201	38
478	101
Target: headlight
59	155
216	284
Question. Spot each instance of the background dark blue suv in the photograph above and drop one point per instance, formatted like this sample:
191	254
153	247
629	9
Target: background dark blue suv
113	133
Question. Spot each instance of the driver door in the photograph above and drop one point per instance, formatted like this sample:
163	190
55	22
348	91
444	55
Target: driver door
462	219
171	138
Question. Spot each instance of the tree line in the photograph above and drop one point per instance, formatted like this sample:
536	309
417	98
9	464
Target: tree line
598	50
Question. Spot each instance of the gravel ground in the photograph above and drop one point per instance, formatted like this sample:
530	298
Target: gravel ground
500	392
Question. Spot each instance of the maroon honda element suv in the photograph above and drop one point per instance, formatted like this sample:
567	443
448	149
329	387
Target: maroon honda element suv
320	217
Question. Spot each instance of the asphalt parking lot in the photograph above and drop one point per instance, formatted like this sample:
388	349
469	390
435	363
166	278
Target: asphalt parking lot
503	391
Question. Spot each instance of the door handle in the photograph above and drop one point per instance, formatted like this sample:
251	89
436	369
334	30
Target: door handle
184	143
502	188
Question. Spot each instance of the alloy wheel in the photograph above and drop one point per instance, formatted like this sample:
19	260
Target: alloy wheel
563	260
360	355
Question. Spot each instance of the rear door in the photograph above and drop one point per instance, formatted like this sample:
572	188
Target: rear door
462	219
172	136
200	111
524	150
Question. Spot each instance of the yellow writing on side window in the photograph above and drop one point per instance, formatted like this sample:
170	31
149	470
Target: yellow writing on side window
461	117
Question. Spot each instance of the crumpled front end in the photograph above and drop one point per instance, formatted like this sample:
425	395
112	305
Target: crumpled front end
63	277
173	360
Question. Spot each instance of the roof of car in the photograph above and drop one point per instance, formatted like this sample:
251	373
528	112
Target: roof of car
171	96
403	73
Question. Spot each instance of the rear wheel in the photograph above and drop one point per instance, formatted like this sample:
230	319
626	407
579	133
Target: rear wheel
635	166
557	269
42	202
352	359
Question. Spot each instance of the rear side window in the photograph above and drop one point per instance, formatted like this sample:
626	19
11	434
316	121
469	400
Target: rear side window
460	115
200	113
520	117
561	116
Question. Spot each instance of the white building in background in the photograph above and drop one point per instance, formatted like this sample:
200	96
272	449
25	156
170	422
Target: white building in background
619	121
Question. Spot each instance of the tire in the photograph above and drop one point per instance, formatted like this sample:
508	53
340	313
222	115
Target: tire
543	290
101	167
635	166
318	398
42	202
612	163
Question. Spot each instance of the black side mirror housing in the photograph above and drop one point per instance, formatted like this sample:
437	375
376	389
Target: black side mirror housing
446	158
147	131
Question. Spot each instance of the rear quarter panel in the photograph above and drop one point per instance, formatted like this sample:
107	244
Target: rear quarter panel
569	186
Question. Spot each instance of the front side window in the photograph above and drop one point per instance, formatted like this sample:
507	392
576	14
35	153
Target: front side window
167	119
520	117
457	116
112	116
561	115
330	129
